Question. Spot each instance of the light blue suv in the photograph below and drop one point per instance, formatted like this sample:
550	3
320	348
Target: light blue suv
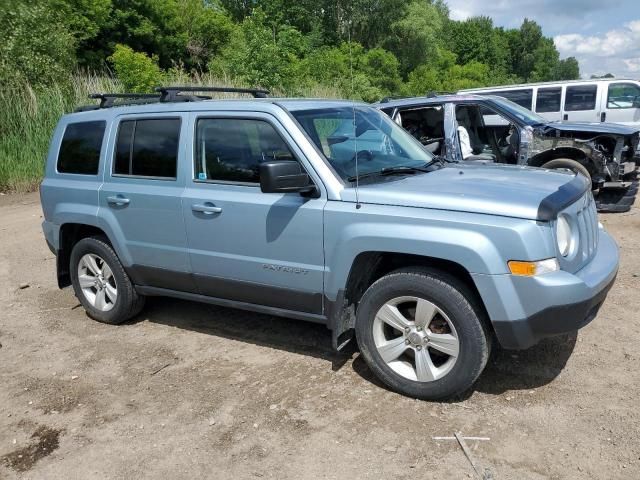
325	211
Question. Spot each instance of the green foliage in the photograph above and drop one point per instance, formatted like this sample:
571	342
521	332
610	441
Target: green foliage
33	50
446	75
414	37
568	69
29	115
137	72
361	49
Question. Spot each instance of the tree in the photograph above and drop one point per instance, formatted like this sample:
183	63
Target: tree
414	38
568	69
31	50
476	39
446	75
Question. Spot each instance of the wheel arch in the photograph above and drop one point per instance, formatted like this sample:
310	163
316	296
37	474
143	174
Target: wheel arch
69	234
369	266
564	152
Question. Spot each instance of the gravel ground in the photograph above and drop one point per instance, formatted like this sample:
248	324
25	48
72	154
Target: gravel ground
189	391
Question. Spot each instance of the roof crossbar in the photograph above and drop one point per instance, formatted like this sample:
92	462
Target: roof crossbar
172	94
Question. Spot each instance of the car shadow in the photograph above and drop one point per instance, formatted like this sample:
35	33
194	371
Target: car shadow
526	369
291	335
506	370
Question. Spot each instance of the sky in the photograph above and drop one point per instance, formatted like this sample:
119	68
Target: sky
604	35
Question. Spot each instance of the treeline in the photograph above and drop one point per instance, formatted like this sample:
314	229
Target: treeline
363	48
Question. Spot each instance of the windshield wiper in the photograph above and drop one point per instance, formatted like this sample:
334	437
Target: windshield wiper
441	160
398	169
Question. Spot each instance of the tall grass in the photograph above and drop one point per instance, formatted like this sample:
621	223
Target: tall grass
29	115
27	119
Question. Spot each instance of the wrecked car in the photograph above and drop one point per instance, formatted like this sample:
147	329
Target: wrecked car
494	129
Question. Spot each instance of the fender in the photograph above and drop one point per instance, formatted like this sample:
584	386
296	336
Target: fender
477	243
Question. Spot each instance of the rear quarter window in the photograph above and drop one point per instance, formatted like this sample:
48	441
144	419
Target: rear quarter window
80	148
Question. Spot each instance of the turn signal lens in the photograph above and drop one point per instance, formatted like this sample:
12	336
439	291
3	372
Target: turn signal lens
529	269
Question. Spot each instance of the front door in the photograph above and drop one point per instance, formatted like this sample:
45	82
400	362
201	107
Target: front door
141	199
621	103
245	245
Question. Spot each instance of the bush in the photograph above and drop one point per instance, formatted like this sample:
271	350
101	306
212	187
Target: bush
32	49
137	72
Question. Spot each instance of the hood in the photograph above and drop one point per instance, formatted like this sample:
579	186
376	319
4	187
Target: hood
595	128
505	190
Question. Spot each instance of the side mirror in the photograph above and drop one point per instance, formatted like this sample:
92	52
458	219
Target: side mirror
284	176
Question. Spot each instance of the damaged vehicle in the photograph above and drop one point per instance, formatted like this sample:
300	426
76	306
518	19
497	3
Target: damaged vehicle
494	129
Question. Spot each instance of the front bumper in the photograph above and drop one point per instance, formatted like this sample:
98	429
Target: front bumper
524	310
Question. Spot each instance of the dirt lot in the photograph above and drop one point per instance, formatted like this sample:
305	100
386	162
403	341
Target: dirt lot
194	391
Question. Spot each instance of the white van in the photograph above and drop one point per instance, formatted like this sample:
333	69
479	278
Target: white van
602	100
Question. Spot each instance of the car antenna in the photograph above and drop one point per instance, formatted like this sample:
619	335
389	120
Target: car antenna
353	109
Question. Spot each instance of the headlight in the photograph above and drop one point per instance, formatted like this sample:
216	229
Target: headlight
564	236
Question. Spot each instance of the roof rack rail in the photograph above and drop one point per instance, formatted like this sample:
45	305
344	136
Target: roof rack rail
108	99
433	93
393	97
172	94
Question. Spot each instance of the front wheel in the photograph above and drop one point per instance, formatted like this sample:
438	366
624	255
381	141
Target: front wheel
421	333
101	283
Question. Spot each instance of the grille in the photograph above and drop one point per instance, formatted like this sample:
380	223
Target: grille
588	227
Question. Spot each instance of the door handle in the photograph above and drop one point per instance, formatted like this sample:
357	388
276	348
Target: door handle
603	116
565	117
206	209
118	200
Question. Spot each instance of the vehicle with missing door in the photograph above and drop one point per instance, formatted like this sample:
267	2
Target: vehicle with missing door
465	127
325	211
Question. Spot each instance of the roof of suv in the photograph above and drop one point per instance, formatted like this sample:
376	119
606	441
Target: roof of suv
245	104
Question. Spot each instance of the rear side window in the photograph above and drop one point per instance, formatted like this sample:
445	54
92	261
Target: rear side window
231	150
148	148
524	97
548	100
623	95
80	148
580	97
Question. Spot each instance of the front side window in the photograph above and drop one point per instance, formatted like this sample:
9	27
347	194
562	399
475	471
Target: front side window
524	97
232	149
580	97
80	148
623	95
548	100
148	148
347	134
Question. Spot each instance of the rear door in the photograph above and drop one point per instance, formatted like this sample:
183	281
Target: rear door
581	103
621	103
245	245
141	198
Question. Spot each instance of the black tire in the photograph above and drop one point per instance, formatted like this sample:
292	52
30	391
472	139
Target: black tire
568	164
459	304
128	302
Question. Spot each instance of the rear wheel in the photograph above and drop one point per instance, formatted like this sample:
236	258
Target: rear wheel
421	333
568	164
101	283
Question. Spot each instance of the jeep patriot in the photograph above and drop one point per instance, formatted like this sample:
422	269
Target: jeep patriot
326	211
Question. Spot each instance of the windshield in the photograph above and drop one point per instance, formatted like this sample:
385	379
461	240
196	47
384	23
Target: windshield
518	111
376	141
